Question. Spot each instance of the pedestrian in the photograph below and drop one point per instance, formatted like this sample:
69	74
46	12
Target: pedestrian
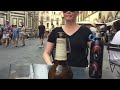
15	36
78	36
10	34
22	34
41	28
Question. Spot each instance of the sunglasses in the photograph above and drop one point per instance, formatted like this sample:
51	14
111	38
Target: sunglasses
67	11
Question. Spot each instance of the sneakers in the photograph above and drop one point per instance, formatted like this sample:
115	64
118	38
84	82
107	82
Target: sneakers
22	45
41	46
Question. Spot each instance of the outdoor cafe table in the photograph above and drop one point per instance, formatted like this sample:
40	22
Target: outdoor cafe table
40	71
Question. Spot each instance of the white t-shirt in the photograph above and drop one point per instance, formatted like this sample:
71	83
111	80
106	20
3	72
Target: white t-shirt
115	56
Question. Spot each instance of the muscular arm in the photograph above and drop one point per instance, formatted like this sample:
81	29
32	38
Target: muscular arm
47	53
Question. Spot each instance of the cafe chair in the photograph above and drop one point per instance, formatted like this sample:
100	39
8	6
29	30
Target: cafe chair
113	64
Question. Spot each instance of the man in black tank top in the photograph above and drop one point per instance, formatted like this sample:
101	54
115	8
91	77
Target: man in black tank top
41	33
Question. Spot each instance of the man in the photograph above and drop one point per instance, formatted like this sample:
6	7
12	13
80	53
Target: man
41	33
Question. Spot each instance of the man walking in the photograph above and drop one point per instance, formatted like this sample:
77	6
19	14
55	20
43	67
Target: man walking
41	28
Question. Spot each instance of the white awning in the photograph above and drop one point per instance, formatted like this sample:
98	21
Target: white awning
111	23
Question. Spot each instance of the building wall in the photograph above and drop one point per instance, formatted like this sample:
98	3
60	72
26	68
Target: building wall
117	15
16	17
3	17
30	18
50	17
106	16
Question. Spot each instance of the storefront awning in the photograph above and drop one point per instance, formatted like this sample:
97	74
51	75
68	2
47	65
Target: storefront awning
111	23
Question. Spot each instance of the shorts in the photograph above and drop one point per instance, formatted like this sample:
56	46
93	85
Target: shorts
41	36
22	35
15	37
5	36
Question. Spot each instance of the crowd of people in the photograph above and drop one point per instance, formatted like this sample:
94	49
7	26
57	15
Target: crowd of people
9	33
12	33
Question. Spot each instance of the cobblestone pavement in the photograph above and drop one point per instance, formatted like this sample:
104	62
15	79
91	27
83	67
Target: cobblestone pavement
30	53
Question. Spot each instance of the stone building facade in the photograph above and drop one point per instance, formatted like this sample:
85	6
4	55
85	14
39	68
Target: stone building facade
99	16
29	18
